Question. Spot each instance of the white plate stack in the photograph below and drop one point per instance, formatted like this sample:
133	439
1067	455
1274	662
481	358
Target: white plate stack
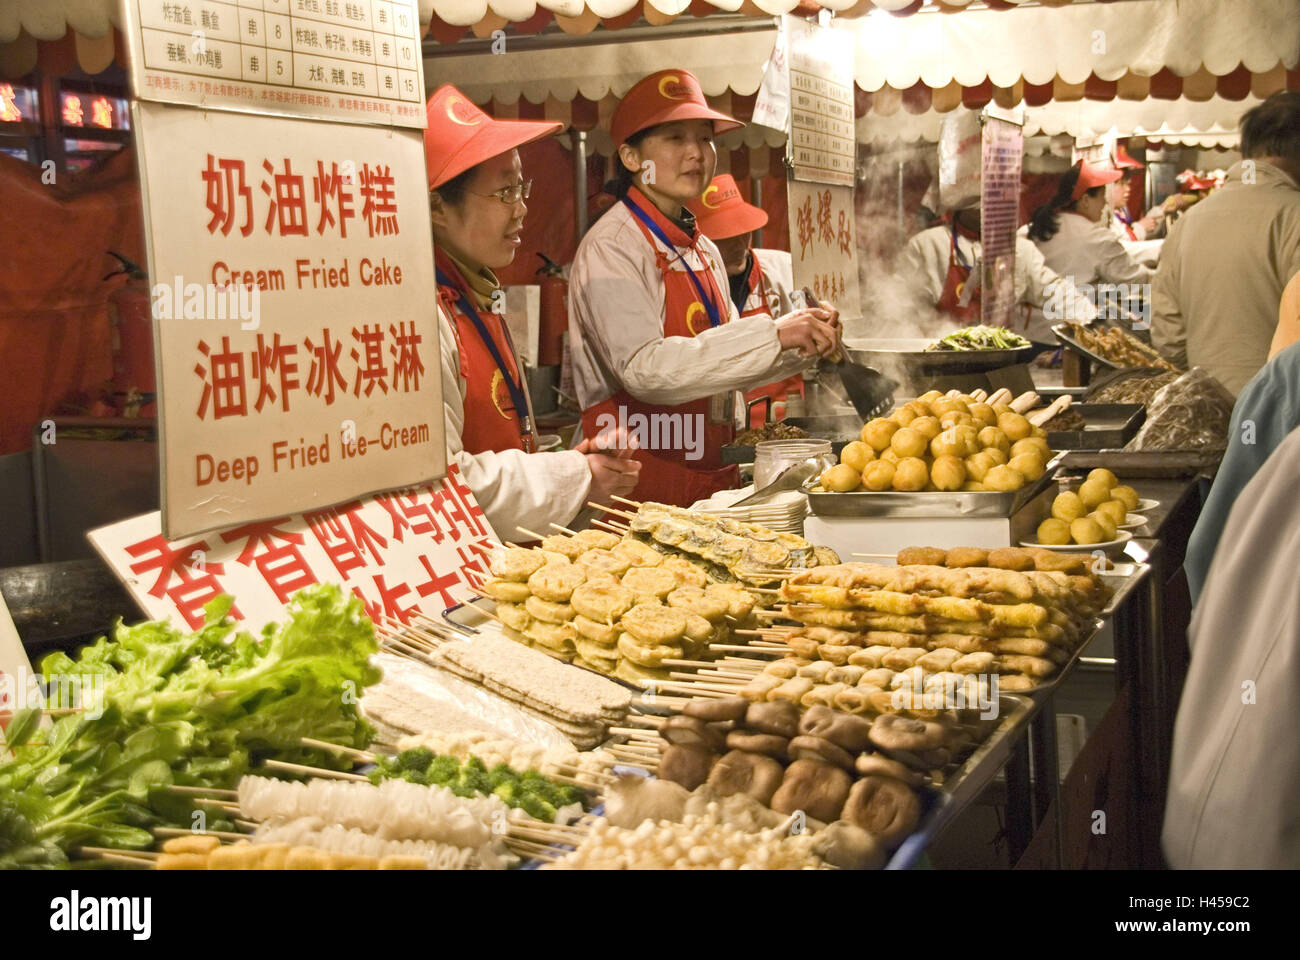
784	513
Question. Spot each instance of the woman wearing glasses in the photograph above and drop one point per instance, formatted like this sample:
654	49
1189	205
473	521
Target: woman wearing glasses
655	338
477	192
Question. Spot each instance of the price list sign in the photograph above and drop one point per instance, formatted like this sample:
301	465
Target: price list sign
822	136
353	60
1002	146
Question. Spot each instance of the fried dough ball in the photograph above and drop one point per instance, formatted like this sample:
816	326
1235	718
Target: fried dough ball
1105	476
1117	512
928	427
911	474
929	397
942	406
1001	408
1004	478
973	486
1014	425
889	456
917	407
908	443
841	478
879	475
857	455
1106	523
1028	465
903	416
1054	532
1086	531
997	455
979	465
1067	506
948	473
984	414
994	437
878	432
565	545
1032	445
740	603
1125	495
948	444
1093	492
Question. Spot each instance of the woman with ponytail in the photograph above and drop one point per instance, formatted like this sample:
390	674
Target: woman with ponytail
1069	233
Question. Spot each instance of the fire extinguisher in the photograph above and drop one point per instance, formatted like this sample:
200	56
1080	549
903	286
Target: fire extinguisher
132	323
553	320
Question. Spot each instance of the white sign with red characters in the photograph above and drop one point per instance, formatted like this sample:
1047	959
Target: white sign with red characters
15	670
296	339
353	60
823	246
401	551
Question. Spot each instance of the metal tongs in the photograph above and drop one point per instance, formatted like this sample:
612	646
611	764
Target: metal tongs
791	478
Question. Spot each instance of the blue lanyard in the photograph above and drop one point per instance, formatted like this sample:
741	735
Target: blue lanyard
956	249
711	308
516	391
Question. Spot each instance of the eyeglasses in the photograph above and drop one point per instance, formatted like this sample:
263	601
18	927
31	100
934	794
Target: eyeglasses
512	194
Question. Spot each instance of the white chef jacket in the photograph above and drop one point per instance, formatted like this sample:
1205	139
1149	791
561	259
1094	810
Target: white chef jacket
1087	252
1234	779
616	325
924	267
778	273
514	488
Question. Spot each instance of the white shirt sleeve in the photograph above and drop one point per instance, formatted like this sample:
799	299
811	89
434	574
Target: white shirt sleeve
618	297
1042	284
513	488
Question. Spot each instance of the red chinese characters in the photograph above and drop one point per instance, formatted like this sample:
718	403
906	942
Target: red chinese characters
184	577
226	191
380	207
345	537
276	555
288	208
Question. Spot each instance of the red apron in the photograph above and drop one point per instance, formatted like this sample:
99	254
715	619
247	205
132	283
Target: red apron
954	282
666	475
759	303
491	421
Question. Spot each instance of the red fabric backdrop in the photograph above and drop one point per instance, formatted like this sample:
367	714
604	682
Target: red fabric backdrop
54	326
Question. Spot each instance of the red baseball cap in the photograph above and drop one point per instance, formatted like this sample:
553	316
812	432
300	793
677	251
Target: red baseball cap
665	97
1091	175
721	211
460	135
1125	162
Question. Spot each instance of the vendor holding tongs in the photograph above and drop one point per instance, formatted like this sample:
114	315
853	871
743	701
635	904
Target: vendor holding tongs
653	330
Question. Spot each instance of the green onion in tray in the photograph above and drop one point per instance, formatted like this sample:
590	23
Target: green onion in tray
980	338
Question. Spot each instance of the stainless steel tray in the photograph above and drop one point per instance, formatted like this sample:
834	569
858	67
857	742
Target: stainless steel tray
959	503
1106	426
910	355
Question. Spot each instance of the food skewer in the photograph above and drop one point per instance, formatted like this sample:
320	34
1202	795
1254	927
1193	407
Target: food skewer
314	771
186	832
608	509
611	527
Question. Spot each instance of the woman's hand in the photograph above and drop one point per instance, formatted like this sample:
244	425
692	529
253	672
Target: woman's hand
612	476
813	331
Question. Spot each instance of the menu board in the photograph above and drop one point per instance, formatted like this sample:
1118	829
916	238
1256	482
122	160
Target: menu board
353	60
1002	148
823	246
822	137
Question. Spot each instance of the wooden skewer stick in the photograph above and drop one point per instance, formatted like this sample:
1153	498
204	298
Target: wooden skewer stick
612	528
116	856
143	855
531	533
363	755
210	792
183	832
635	732
738	647
314	771
608	509
556	526
646	719
876	556
688	663
222	804
630	503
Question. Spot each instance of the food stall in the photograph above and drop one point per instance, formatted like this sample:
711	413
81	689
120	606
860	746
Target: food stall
667	688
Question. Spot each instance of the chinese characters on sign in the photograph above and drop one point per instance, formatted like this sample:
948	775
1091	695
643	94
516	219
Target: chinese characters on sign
354	60
1002	149
822	244
823	142
290	263
418	549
